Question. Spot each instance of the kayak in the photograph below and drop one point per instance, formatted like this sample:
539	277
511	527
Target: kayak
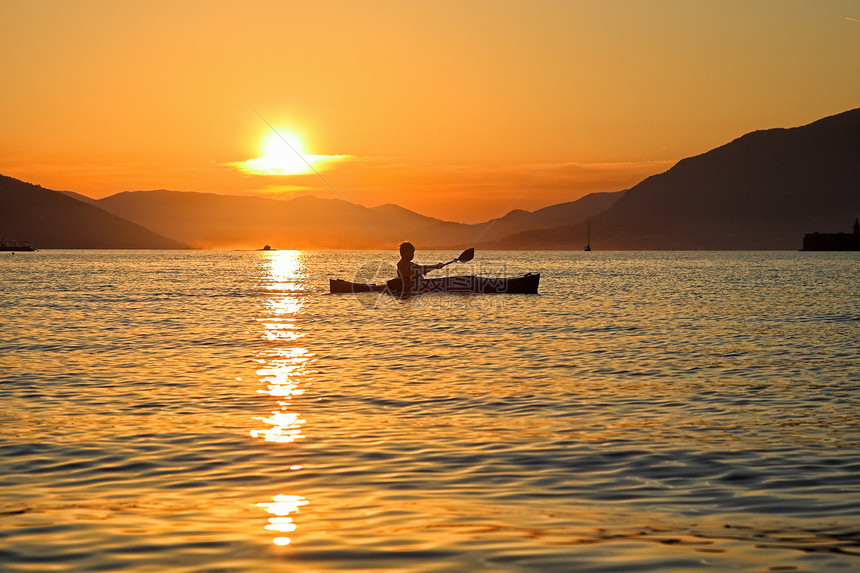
526	284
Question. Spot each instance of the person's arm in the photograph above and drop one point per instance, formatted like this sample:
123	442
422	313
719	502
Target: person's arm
424	269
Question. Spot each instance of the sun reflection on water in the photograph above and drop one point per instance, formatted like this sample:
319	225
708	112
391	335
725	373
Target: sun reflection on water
284	370
281	507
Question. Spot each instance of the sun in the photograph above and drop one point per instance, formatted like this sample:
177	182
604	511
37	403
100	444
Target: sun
283	153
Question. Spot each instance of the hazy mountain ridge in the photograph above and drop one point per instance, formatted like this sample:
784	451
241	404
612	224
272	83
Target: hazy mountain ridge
516	221
207	220
79	197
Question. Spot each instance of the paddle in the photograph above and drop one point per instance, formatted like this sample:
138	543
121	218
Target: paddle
464	257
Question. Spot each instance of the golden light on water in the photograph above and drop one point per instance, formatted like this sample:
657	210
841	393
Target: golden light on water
286	271
285	427
282	374
280	507
283	371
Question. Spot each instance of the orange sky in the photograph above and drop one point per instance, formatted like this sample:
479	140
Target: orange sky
449	108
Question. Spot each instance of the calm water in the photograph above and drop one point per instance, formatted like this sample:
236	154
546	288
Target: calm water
218	411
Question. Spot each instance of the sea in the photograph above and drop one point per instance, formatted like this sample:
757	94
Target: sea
215	411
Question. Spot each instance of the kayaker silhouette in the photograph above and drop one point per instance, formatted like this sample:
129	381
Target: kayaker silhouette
410	273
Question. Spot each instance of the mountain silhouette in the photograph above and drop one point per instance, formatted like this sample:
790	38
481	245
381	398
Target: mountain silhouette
452	235
53	220
143	219
208	220
764	190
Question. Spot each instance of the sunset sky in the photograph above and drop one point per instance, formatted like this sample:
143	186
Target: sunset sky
452	109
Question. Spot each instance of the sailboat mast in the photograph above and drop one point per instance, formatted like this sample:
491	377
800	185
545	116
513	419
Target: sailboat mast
588	243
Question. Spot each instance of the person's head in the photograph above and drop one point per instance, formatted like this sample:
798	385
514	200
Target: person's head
407	251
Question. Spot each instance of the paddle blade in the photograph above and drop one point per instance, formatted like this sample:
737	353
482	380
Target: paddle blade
466	255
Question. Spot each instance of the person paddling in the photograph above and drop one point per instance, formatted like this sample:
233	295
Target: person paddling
409	272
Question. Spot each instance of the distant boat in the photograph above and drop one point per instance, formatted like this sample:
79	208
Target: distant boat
588	244
16	246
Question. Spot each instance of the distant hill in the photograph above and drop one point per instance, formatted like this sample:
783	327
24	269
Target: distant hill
79	197
208	220
53	220
144	219
764	190
446	234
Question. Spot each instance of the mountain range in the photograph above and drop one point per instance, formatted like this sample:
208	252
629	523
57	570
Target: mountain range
763	190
